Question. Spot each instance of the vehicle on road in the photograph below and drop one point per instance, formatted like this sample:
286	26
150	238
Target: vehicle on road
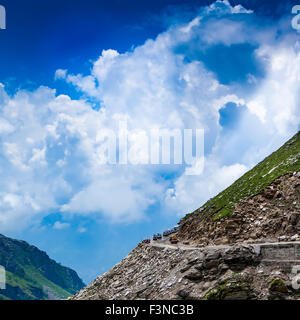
146	241
173	239
157	236
174	230
171	231
167	233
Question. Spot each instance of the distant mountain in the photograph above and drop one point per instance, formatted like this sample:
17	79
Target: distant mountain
32	275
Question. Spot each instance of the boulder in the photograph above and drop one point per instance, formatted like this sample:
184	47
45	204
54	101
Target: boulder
183	293
194	276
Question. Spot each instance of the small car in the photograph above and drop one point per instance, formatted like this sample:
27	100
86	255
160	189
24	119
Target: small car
159	236
166	233
174	230
154	237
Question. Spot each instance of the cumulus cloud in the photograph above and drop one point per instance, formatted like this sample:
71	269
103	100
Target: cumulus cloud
120	198
276	101
52	147
223	6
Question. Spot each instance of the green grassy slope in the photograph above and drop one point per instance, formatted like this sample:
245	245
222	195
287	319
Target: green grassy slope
32	275
283	161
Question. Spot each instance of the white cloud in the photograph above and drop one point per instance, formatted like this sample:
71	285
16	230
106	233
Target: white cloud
276	101
86	84
222	6
188	192
105	62
195	22
52	150
118	196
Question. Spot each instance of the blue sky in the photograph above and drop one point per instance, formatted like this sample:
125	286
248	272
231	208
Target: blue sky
71	68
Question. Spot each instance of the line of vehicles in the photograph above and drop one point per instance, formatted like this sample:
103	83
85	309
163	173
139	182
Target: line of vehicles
171	231
158	236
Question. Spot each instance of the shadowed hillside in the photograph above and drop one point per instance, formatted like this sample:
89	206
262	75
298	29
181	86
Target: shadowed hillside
31	274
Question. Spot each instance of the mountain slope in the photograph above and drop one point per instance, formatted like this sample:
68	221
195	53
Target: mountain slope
31	274
239	272
283	161
269	191
218	256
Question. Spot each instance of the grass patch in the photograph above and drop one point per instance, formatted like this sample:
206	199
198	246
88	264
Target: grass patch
284	160
41	281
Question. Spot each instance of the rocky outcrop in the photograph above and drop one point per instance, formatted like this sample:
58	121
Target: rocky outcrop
272	215
222	273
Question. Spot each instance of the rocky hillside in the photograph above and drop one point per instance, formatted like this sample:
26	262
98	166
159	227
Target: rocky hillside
31	274
273	214
219	255
269	189
211	273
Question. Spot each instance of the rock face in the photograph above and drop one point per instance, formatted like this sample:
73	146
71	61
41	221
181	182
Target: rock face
219	273
31	274
263	203
272	215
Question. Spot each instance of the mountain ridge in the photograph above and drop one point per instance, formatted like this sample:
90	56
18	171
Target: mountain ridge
269	170
268	183
32	275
